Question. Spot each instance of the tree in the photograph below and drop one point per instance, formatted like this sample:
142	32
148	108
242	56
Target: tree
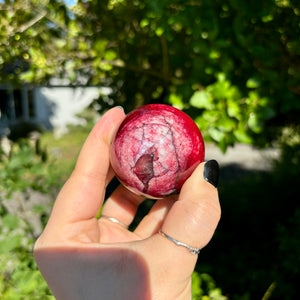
232	65
32	34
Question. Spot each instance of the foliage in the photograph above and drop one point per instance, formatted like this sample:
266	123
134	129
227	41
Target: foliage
24	169
204	288
31	38
233	65
64	149
31	165
242	117
19	276
255	249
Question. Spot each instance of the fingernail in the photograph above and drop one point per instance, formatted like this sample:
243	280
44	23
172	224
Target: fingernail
121	107
211	172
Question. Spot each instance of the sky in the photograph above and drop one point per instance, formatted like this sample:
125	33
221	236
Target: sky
70	2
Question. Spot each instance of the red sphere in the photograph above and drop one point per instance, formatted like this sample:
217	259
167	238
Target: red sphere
156	148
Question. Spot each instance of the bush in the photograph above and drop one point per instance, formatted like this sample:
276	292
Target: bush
255	249
23	170
204	288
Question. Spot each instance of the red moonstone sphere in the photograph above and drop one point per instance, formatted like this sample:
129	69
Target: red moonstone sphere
156	148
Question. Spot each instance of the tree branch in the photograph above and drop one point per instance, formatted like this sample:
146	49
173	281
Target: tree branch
30	23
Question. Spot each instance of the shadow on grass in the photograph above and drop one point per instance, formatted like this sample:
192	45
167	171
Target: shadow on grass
253	250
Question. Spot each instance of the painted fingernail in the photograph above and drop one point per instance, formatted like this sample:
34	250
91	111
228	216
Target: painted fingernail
211	172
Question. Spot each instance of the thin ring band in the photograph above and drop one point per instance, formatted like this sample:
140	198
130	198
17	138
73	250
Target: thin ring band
114	220
192	250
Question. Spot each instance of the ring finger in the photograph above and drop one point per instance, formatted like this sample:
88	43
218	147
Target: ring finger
122	205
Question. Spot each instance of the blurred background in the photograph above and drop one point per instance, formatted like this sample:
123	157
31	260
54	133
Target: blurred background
233	66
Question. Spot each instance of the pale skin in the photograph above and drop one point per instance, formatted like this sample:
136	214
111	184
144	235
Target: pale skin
82	257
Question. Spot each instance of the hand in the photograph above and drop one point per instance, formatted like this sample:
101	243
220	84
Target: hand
82	257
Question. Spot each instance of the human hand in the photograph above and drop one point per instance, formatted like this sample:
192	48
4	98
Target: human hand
82	257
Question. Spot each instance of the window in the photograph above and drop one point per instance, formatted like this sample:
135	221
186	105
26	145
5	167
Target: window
17	104
6	110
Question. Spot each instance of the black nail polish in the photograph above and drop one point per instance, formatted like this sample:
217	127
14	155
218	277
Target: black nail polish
211	172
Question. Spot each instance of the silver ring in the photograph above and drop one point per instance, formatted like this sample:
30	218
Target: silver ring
192	250
114	220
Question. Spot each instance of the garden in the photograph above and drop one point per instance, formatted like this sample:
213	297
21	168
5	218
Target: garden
233	66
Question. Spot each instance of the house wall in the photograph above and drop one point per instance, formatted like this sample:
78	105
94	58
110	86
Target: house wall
56	107
51	107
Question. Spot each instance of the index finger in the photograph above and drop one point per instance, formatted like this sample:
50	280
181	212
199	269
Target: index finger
82	195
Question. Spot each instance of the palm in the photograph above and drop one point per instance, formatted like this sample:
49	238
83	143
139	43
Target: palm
103	232
124	204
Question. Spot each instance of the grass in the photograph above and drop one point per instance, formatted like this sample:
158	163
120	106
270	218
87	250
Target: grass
64	150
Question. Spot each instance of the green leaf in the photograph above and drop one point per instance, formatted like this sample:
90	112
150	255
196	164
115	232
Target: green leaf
211	116
28	281
221	77
10	243
254	123
105	66
220	90
253	83
242	136
27	76
159	31
201	123
233	109
73	28
100	46
10	221
196	286
201	99
216	294
216	134
60	43
39	208
226	124
144	23
222	144
110	55
214	54
176	101
72	76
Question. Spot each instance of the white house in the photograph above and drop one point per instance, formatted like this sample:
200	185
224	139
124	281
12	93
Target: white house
51	107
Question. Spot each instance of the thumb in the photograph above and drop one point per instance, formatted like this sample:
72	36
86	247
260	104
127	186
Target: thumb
194	217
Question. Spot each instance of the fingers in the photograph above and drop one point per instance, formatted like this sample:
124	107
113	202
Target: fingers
194	217
82	195
122	205
152	222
